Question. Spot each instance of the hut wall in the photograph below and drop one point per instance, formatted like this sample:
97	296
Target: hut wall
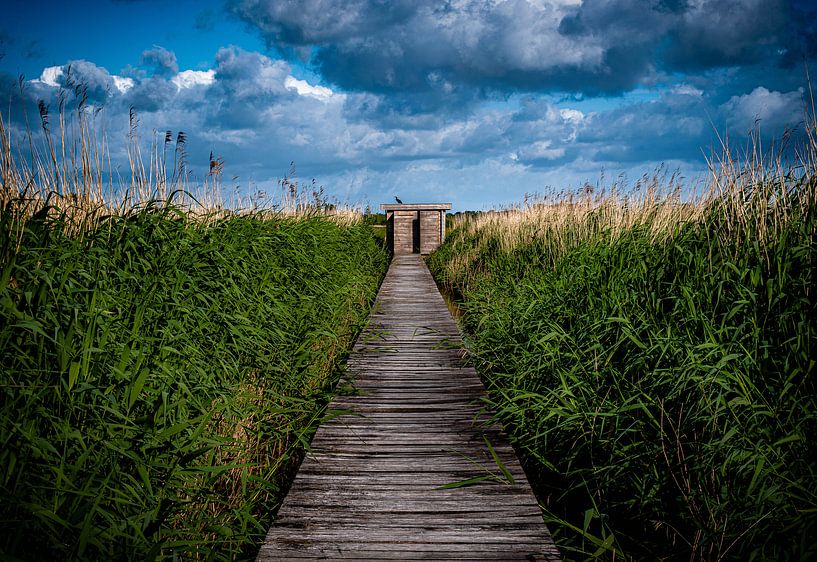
430	231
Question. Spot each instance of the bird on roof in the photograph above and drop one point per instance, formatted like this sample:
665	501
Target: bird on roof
399	202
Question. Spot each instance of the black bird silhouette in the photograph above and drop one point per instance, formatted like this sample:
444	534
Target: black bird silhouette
398	200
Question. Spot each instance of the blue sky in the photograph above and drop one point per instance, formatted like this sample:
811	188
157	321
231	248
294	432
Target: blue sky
476	103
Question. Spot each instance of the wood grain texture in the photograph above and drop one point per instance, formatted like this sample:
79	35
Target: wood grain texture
430	230
374	484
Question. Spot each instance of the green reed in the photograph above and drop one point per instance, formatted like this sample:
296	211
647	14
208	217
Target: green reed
162	374
654	361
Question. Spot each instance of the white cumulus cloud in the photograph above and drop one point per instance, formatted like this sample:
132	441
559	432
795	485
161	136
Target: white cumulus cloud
191	78
123	84
774	110
304	88
686	90
50	76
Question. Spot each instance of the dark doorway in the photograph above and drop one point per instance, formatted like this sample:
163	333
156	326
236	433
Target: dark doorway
415	234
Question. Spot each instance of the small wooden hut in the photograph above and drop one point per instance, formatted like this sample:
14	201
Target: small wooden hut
415	229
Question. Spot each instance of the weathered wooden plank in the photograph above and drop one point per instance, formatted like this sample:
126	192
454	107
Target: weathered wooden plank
407	551
412	421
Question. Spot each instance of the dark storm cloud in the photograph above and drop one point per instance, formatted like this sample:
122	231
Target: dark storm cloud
720	33
150	94
597	48
673	127
250	75
160	61
246	85
429	109
93	81
686	36
392	47
802	36
301	23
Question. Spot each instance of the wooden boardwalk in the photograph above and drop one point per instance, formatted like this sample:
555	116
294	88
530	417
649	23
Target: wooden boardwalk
372	486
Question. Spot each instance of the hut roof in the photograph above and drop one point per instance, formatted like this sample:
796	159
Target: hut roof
415	206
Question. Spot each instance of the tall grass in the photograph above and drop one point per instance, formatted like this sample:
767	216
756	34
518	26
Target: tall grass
162	364
61	158
653	355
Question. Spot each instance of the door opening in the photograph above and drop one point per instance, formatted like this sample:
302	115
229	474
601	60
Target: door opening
415	234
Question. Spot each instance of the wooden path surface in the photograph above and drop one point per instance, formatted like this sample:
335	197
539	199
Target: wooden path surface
372	485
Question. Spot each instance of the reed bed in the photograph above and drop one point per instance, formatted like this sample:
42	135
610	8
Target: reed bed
652	353
68	169
164	357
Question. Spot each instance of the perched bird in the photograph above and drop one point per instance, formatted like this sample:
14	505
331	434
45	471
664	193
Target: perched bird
398	200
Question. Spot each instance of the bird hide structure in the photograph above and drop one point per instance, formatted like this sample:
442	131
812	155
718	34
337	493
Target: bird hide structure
415	228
